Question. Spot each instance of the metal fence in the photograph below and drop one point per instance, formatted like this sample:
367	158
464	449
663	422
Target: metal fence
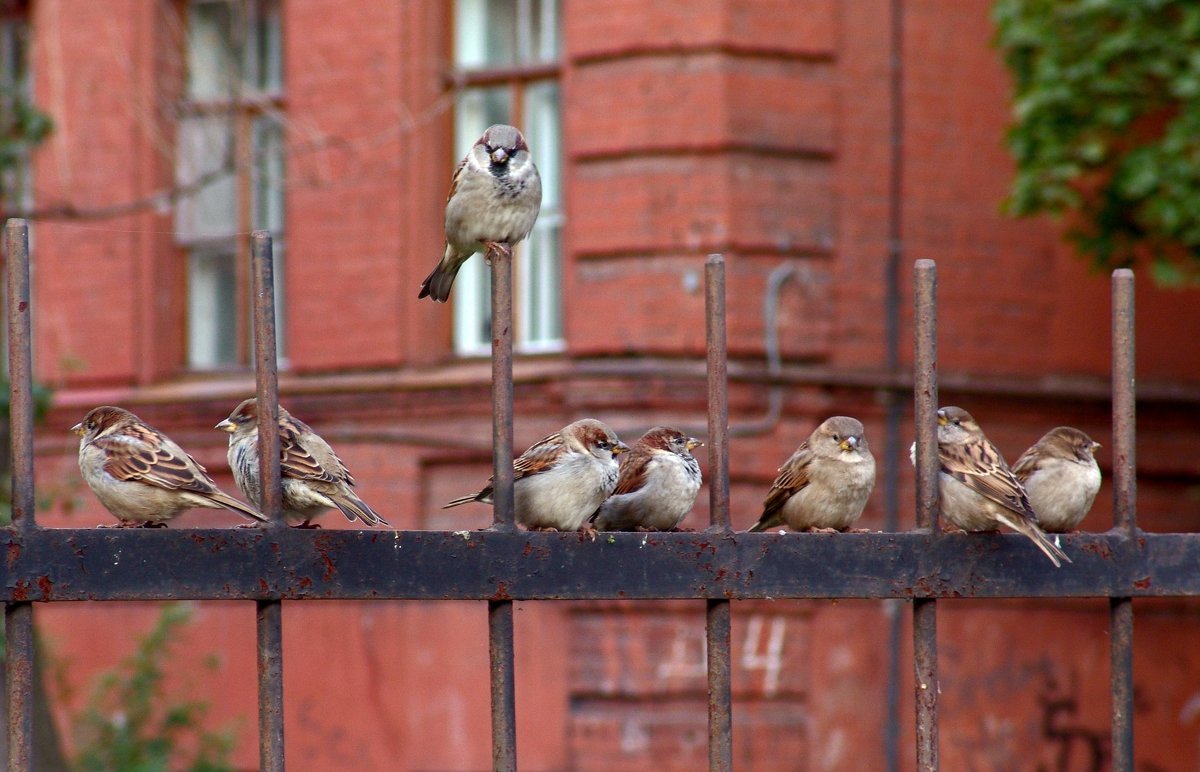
273	564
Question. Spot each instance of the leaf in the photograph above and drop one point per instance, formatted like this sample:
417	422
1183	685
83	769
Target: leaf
1106	125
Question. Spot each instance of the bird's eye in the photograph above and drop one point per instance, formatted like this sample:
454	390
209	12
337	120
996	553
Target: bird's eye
604	444
837	437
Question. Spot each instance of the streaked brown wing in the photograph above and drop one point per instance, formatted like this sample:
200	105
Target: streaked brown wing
454	180
793	476
1029	462
980	467
296	461
540	457
154	464
635	467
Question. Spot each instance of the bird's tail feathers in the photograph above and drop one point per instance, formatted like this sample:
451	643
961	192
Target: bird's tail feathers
1038	537
355	508
230	503
438	283
467	500
764	523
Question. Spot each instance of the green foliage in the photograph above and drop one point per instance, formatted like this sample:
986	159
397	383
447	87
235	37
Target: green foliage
130	723
42	398
1107	125
22	127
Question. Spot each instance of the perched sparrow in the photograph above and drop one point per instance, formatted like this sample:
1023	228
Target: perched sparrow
979	491
825	484
1061	476
314	479
140	475
494	200
657	486
559	482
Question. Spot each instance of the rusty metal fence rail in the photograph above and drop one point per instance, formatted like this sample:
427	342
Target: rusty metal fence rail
274	564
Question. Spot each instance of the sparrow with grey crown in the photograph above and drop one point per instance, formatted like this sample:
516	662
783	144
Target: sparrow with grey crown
560	481
657	486
978	490
313	478
1061	476
140	475
825	484
494	200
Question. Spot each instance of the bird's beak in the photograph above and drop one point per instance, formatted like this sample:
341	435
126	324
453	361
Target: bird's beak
850	443
1096	446
226	426
499	155
77	429
694	443
942	421
620	448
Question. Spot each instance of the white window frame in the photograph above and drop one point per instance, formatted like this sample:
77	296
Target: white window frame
230	144
528	57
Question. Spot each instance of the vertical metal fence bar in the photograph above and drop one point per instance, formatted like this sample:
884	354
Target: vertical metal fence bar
1124	410
269	613
500	612
20	375
1121	667
18	629
266	374
718	612
269	621
1124	511
925	397
718	396
925	393
504	695
718	622
18	617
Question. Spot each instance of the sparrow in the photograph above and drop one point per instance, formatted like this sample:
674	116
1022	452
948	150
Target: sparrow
314	479
560	481
825	484
494	199
978	490
657	485
1061	476
140	475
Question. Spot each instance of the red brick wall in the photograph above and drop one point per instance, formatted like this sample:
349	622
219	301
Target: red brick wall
757	129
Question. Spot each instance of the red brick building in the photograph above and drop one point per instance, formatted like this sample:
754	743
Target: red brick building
665	130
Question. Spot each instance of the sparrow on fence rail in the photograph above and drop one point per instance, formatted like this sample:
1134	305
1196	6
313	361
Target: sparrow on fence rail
313	478
657	485
494	200
824	485
1061	476
140	475
560	481
978	490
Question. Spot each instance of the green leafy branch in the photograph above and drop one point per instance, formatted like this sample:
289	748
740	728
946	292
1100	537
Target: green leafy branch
22	127
1107	125
129	723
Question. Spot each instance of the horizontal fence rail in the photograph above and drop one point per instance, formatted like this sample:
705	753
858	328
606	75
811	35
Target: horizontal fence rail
500	564
231	564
